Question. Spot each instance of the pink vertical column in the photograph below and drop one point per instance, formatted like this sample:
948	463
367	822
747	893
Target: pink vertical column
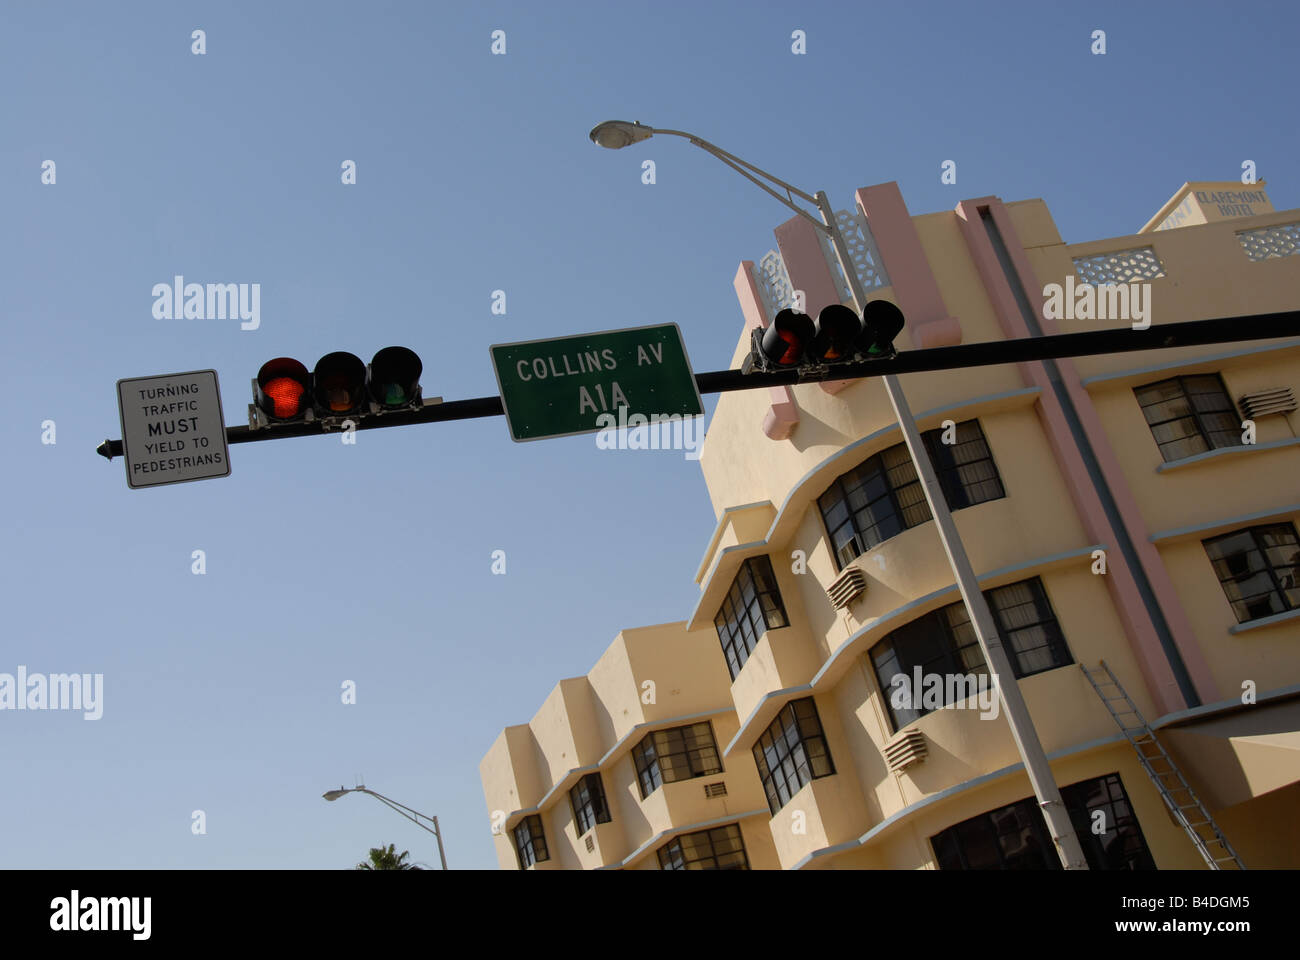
783	415
1156	669
915	289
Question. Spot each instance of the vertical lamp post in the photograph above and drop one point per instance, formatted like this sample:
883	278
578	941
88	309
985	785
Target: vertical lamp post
616	134
404	810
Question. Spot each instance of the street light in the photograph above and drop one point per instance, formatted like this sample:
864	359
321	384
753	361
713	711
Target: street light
616	134
400	808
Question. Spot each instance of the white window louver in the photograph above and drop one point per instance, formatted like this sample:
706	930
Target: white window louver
846	587
905	749
1261	403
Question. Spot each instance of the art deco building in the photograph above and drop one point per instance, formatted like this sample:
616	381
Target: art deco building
1136	509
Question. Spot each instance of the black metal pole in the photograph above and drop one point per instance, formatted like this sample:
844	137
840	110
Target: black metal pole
1260	326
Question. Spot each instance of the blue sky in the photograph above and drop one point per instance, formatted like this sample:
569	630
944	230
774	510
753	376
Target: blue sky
372	563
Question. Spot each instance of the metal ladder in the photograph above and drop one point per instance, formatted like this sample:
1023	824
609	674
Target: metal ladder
1178	796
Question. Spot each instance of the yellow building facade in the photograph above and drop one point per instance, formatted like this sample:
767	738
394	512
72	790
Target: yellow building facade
825	705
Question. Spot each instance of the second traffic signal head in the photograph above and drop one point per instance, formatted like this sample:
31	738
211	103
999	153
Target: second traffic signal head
837	328
339	382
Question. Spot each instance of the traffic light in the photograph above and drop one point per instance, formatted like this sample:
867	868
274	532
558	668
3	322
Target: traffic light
881	323
837	330
838	336
280	389
784	342
341	386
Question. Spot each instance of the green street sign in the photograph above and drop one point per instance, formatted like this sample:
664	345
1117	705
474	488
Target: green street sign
573	385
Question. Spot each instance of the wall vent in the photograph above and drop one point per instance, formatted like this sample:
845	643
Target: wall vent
1261	403
905	749
718	789
846	587
591	843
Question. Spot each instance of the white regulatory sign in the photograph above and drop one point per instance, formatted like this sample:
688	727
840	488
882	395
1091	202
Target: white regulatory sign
172	428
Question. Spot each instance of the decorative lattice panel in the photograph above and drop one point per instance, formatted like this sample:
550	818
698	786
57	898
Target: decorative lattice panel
1120	266
774	283
862	247
1280	241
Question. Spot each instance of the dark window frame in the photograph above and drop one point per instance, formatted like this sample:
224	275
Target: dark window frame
530	835
790	751
673	854
1210	436
649	759
590	806
1283	586
753	601
956	846
958	651
899	506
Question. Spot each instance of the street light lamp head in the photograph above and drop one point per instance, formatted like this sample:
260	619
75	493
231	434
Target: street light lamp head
615	134
334	794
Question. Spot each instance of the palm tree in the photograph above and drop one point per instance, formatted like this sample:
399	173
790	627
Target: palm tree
386	858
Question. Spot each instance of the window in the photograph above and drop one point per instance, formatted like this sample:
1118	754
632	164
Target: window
966	471
943	642
530	842
721	848
589	806
678	753
792	752
1259	569
1190	415
882	496
751	608
1015	837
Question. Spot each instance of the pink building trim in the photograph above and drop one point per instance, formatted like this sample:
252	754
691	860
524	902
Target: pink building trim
783	414
1155	666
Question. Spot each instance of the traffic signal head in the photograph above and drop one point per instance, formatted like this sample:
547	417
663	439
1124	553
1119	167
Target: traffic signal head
395	377
837	329
881	323
789	336
339	382
283	389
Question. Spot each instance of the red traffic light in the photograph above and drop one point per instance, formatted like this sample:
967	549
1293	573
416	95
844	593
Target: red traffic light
394	379
338	383
789	335
837	328
282	386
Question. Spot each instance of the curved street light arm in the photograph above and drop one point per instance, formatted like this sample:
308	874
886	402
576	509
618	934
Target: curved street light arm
742	167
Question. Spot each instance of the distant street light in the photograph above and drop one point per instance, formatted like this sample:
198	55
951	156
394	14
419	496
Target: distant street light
400	808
